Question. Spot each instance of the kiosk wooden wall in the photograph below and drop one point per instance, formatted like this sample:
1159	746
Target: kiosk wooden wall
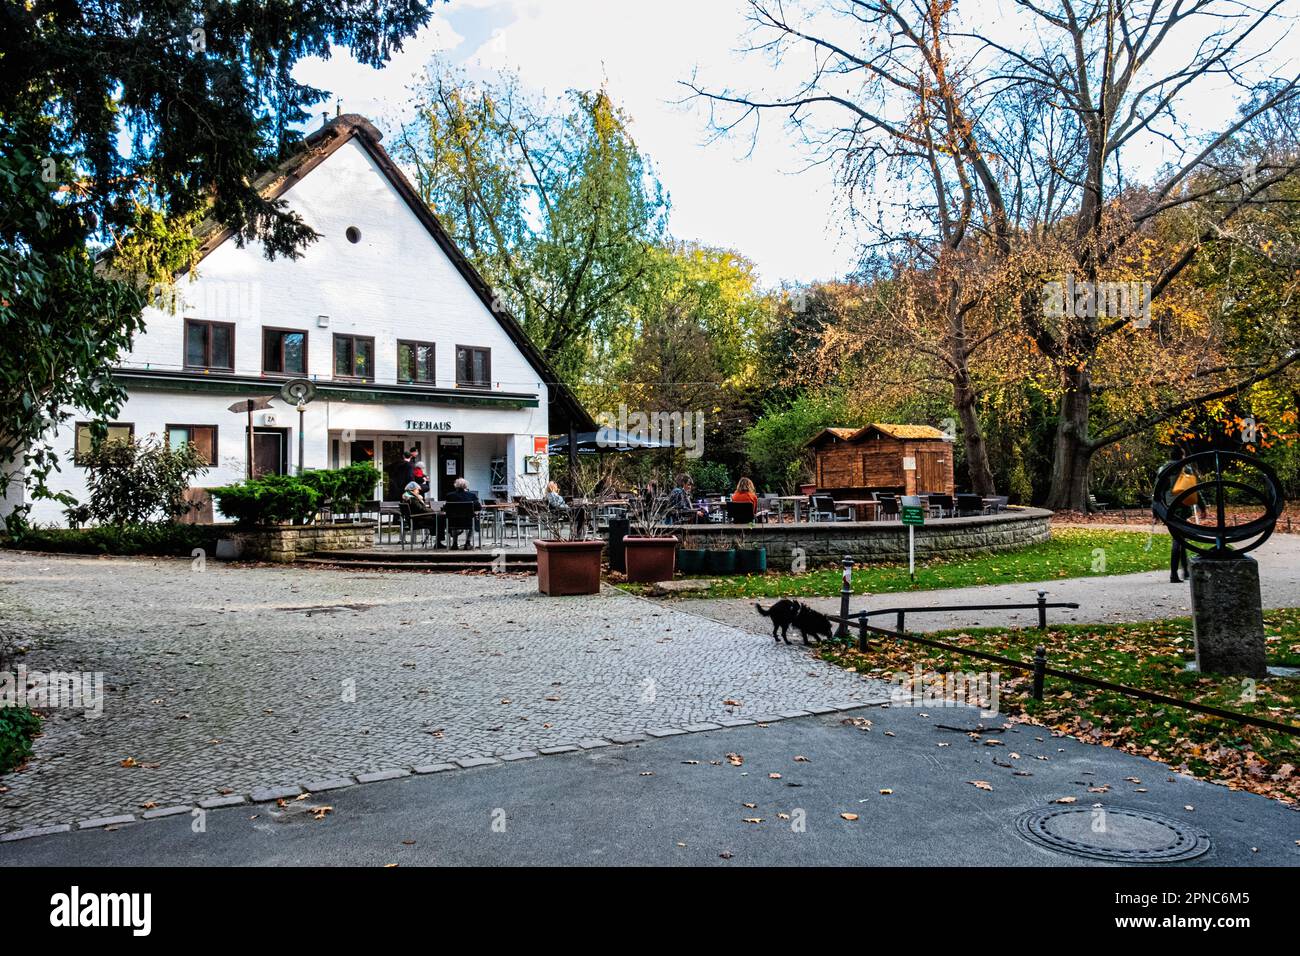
874	457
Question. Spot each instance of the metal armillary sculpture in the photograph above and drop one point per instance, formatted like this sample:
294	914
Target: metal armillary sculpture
1218	540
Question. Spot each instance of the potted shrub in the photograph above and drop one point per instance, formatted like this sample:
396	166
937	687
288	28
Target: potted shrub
568	556
690	556
750	560
721	557
649	552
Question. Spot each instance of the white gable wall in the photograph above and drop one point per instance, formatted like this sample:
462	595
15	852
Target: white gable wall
396	283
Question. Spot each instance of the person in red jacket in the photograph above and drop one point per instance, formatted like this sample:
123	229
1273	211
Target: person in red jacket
745	492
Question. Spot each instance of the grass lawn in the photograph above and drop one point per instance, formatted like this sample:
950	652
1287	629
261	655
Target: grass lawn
1072	553
1149	655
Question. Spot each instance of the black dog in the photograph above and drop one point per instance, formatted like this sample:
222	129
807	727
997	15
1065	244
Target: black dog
807	621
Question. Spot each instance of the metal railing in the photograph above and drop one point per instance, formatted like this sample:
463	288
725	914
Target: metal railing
1038	668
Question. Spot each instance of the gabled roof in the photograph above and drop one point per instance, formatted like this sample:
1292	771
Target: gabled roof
318	147
832	434
904	432
899	432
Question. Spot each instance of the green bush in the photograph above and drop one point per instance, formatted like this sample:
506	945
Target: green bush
134	482
159	539
271	499
349	485
18	726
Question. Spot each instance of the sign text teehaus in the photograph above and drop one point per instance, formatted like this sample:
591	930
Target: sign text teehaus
421	426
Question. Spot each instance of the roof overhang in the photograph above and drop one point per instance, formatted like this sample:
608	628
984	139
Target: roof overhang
170	381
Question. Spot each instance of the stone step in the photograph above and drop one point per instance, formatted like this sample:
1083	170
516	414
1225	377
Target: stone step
422	555
442	566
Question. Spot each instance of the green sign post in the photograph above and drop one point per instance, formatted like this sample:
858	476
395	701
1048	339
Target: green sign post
912	515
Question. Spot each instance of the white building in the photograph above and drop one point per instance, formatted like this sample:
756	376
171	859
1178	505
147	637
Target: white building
382	313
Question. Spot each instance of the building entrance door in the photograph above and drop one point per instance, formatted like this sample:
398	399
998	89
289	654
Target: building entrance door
451	464
269	446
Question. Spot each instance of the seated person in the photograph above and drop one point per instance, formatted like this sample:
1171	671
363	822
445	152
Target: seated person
683	507
420	474
745	492
554	500
462	493
422	513
415	500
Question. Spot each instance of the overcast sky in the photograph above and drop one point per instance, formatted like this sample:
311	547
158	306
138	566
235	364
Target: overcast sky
767	203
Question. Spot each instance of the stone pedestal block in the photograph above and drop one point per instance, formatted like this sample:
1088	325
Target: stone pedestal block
1227	619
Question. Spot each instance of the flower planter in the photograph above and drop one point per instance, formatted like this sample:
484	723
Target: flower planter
751	560
720	561
650	559
690	560
568	567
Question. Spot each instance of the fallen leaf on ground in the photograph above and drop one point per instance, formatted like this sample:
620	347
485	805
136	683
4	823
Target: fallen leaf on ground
980	784
849	816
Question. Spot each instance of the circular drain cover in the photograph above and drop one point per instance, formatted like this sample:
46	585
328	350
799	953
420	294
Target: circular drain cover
1113	833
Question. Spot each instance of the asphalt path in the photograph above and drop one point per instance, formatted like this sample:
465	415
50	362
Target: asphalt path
682	801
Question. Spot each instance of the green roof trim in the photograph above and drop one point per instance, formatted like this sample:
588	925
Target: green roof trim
160	381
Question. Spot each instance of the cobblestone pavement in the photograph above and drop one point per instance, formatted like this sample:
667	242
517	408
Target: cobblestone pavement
235	678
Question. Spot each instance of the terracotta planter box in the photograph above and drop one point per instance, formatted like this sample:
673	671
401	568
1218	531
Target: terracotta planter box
568	567
650	559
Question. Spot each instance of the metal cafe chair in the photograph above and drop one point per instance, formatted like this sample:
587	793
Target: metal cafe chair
969	505
425	522
740	512
941	505
888	506
462	516
825	508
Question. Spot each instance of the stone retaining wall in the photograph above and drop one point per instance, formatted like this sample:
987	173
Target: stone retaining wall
880	541
288	543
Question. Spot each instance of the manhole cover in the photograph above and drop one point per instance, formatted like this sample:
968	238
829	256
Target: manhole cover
1113	833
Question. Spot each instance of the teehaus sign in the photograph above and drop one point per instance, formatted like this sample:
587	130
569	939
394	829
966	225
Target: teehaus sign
420	426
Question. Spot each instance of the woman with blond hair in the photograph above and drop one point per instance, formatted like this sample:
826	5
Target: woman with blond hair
745	492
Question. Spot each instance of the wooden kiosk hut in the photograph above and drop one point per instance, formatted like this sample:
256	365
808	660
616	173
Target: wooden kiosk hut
911	459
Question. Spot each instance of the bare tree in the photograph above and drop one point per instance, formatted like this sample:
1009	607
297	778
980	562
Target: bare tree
1017	163
1093	64
893	99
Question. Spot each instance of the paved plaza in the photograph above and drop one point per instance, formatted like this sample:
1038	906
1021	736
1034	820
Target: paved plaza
226	680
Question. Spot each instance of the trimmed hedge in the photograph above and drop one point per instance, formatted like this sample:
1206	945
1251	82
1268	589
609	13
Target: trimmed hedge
275	499
350	485
158	539
271	499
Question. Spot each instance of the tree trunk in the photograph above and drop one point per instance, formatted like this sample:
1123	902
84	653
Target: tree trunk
1072	458
977	451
